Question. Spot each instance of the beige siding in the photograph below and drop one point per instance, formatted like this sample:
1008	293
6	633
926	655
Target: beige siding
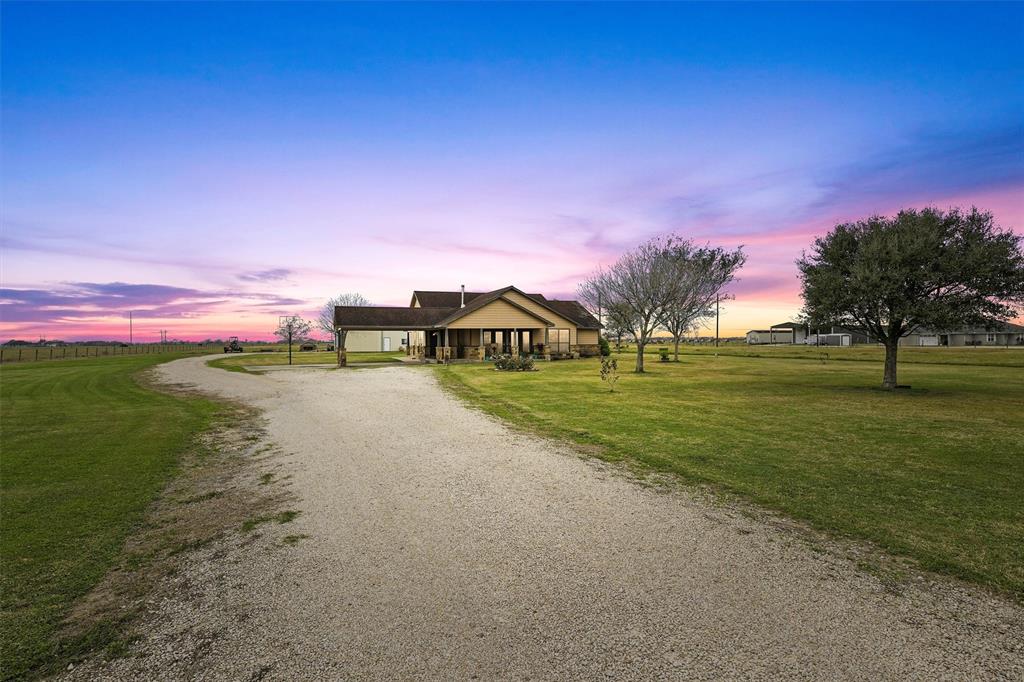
587	336
535	307
497	314
370	341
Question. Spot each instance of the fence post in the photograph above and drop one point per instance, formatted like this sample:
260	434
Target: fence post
51	353
37	353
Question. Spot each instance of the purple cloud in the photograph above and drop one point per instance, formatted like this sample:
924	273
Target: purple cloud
272	275
86	300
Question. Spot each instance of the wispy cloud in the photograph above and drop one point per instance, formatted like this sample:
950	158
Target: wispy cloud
91	301
272	275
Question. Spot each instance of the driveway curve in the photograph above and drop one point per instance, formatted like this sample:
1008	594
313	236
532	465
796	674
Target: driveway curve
443	545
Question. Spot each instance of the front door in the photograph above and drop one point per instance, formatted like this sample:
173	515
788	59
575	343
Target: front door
387	343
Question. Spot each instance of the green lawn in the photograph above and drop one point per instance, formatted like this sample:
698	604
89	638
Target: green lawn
936	473
85	450
990	356
240	361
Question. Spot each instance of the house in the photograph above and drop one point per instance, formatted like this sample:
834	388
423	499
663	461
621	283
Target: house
449	325
784	332
1000	334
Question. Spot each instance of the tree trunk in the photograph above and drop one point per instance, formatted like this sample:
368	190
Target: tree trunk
640	357
677	349
889	380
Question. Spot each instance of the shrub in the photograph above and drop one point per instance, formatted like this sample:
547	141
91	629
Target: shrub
610	372
663	352
606	350
511	363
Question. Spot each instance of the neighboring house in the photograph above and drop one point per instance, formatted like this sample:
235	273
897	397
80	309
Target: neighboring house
784	332
1001	334
367	341
446	325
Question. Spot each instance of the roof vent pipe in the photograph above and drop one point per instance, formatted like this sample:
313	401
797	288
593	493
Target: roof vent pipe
462	299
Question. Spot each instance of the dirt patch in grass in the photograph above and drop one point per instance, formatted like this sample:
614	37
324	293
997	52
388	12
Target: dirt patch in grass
218	491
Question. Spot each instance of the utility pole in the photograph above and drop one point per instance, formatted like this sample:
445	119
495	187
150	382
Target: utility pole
716	320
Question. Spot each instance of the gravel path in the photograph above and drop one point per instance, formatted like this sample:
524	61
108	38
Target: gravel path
443	545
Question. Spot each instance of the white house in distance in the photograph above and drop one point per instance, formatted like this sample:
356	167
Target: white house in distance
1000	334
784	332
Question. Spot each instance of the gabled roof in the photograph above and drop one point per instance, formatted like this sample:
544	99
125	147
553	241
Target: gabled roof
491	296
574	312
788	325
570	310
440	308
443	299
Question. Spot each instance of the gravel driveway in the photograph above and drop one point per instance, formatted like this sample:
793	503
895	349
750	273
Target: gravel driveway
442	545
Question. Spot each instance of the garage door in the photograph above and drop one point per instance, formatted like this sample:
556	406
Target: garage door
929	340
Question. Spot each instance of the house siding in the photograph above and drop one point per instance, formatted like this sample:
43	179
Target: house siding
497	314
371	341
534	307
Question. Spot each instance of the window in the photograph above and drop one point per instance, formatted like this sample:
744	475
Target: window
991	338
558	340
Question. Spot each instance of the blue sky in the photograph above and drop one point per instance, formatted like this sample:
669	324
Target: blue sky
174	152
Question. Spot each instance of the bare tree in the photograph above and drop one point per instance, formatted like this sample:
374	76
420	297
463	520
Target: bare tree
638	287
702	273
325	320
290	328
615	324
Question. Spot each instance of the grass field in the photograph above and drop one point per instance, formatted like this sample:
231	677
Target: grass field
935	474
239	362
990	356
85	450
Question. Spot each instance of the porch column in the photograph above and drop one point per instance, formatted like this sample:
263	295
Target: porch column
480	348
342	353
514	346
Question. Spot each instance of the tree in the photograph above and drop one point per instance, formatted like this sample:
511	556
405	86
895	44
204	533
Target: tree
889	277
615	324
702	273
290	328
637	287
325	319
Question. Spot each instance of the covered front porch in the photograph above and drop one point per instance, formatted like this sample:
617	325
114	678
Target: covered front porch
448	343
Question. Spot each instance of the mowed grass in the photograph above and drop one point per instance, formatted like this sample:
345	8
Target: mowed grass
85	450
239	362
992	356
935	473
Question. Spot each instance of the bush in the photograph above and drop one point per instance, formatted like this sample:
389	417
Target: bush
663	352
511	363
606	350
610	372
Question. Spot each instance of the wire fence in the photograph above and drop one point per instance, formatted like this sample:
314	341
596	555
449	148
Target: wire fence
34	353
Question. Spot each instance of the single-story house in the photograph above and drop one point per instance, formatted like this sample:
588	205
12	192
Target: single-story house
448	325
1001	334
784	332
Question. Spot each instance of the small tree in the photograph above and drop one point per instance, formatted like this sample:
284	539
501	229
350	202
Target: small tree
615	324
610	372
702	273
291	328
637	287
889	277
325	319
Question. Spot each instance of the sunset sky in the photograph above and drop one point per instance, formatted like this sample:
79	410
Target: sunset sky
211	167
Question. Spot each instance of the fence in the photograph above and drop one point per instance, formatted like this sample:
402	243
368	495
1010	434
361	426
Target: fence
33	353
